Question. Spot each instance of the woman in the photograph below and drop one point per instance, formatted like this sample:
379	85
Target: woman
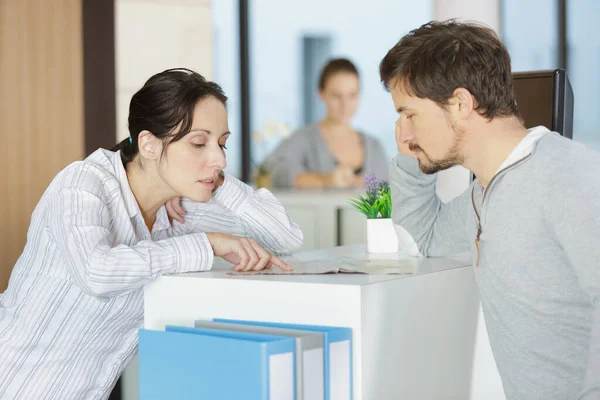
70	316
330	153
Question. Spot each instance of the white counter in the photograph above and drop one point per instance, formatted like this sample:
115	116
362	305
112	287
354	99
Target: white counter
413	335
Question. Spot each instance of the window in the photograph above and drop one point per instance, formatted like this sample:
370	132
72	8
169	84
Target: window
583	67
227	74
291	40
533	43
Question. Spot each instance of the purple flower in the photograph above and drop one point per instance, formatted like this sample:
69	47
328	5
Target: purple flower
372	188
371	182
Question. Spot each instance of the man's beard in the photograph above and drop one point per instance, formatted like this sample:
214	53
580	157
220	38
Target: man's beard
453	156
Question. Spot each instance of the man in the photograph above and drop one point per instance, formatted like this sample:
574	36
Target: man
531	218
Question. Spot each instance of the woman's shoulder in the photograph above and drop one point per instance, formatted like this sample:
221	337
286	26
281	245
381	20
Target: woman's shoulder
92	174
298	139
305	132
368	137
371	142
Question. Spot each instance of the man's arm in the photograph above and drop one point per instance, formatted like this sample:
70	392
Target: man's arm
438	229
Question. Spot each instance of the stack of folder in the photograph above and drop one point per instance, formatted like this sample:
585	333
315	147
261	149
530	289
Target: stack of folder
250	360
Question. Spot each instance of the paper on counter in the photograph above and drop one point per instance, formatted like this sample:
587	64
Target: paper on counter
402	266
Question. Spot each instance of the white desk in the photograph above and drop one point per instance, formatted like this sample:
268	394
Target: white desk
413	335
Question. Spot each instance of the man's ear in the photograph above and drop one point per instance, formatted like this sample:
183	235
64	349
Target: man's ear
461	104
150	146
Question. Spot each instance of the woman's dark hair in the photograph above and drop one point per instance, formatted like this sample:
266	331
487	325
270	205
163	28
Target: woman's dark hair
166	101
333	67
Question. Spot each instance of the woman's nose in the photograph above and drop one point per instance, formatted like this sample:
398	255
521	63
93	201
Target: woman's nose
218	159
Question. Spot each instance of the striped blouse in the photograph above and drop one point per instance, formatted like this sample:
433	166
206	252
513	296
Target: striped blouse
70	316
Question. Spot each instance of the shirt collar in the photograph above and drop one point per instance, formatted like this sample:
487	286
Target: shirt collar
524	147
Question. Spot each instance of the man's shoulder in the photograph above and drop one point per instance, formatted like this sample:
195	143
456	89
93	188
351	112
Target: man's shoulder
562	149
558	160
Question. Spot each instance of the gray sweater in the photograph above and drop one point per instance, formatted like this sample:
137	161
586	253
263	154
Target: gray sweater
306	151
539	267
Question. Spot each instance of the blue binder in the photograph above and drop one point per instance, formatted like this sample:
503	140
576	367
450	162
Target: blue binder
191	363
310	382
337	343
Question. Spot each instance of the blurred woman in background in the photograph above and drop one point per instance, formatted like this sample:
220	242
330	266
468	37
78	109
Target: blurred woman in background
330	153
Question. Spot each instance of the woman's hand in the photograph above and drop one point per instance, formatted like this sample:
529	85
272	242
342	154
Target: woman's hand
173	206
244	253
359	181
341	177
174	209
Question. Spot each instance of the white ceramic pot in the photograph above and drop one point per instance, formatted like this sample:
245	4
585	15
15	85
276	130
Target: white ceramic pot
381	236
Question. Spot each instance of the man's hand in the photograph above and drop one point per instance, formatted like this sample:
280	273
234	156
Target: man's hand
244	253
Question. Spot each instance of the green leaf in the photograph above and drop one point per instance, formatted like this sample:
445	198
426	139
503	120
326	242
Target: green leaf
377	203
363	206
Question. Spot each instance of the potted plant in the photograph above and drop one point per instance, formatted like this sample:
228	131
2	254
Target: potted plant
377	207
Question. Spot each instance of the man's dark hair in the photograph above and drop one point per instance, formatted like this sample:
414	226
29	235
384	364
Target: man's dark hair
439	57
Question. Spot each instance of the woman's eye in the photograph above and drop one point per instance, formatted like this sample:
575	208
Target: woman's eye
198	145
223	146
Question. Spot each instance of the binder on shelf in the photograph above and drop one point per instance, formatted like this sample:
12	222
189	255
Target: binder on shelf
192	363
337	343
309	354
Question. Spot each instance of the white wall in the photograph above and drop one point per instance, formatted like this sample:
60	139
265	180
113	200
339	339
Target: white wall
154	35
486	11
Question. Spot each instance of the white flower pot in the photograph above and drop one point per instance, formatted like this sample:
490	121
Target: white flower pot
381	236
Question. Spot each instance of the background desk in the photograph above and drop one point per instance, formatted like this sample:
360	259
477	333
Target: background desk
413	335
326	217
